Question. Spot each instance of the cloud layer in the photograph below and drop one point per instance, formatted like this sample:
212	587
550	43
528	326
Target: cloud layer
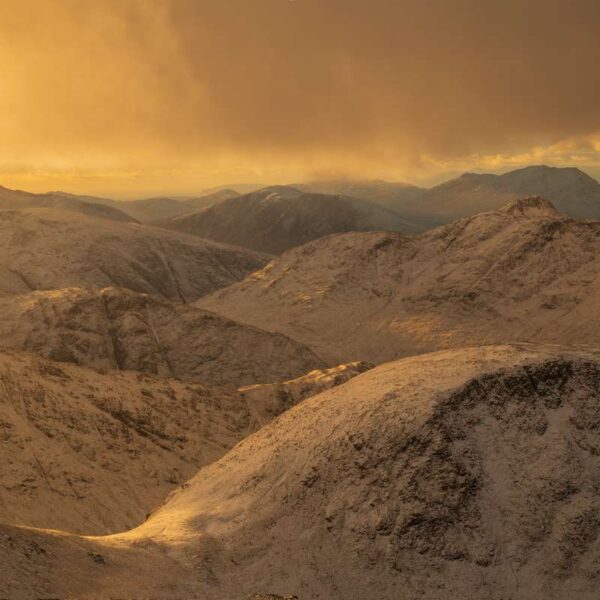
176	94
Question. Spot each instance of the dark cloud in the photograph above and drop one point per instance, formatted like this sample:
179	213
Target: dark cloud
246	87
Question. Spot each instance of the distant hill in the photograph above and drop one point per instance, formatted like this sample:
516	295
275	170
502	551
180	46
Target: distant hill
148	210
396	196
277	218
522	273
86	205
44	249
570	190
156	209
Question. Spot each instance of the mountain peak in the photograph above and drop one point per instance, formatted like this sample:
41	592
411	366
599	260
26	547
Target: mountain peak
532	205
278	191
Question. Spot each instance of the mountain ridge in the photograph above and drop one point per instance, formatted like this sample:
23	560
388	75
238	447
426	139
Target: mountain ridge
500	276
277	218
90	451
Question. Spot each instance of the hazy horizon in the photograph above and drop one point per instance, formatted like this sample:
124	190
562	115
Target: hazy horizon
246	186
173	96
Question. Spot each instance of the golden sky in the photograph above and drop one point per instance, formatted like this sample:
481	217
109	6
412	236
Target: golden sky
136	97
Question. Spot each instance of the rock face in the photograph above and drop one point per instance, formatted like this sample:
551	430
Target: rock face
42	249
119	329
93	452
16	200
275	219
469	473
522	273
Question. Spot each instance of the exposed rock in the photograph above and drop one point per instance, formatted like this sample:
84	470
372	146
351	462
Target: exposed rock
276	398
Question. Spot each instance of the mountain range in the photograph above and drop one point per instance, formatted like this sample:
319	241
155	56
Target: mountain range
148	210
301	212
353	401
572	191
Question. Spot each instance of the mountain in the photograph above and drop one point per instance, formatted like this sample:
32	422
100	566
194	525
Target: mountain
16	199
43	249
277	218
147	210
470	473
150	210
572	191
521	273
395	196
240	188
569	189
114	328
92	452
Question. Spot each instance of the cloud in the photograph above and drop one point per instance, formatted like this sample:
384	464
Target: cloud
186	92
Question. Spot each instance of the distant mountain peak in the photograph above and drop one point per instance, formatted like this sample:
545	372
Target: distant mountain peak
532	205
545	168
279	191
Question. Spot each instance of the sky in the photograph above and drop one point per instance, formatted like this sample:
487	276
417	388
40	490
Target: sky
128	98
